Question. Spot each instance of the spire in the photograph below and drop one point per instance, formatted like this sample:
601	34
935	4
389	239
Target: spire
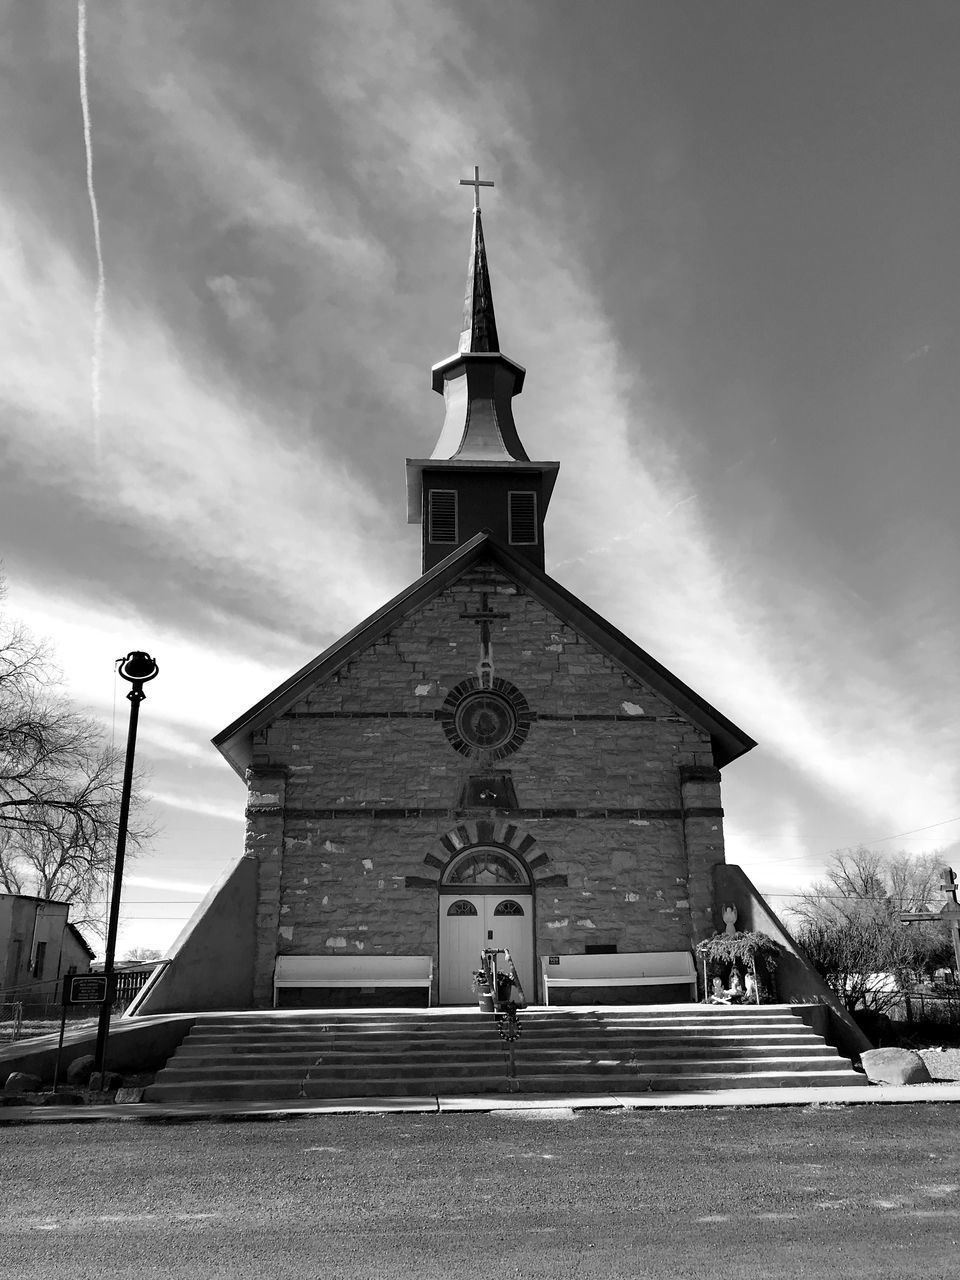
479	323
478	382
479	477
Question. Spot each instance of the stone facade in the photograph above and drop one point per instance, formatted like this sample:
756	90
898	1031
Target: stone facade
354	791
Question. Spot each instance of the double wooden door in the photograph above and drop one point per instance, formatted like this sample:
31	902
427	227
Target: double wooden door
471	921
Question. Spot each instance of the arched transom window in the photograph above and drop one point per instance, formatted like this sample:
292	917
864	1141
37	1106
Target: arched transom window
461	908
508	908
485	866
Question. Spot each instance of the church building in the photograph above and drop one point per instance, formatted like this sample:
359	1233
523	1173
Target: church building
485	761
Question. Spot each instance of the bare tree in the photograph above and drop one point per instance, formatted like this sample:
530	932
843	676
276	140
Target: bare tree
850	925
59	786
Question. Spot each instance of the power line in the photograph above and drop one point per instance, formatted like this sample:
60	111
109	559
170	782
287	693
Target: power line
872	840
162	902
129	919
945	823
834	897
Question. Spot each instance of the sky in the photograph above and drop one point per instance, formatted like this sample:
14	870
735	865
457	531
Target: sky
723	242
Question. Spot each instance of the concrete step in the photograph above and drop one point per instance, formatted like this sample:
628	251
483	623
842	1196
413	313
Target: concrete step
493	1044
273	1034
563	1085
677	1068
493	1047
547	1036
533	1016
344	1054
700	1016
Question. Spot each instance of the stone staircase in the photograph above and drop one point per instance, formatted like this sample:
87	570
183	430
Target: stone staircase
335	1054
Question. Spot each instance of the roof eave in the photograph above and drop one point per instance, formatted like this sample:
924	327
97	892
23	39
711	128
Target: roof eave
728	740
476	357
233	742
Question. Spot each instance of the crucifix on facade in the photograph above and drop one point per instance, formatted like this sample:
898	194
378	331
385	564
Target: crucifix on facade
483	617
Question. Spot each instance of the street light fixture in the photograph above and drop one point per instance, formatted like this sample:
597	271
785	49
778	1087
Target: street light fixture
137	668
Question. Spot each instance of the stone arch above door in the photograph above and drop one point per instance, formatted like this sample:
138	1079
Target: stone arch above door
490	865
486	831
489	831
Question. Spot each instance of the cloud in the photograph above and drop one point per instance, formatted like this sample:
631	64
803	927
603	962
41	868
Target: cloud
241	303
193	804
253	185
196	694
790	660
185	460
239	512
166	884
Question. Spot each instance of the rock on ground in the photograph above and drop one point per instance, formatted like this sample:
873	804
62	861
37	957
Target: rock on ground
80	1068
21	1082
895	1066
105	1082
943	1064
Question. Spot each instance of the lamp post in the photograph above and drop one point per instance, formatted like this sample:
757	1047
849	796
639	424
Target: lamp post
137	668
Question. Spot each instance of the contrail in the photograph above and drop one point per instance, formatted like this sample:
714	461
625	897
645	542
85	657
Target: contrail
99	306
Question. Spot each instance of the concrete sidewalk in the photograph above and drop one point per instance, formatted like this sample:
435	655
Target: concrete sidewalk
153	1113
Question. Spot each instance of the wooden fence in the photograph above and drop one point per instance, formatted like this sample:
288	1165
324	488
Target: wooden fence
35	1010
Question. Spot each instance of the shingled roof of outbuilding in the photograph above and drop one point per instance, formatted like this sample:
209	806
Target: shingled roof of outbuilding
729	741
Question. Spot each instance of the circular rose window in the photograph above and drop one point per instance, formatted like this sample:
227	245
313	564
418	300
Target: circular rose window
485	720
480	722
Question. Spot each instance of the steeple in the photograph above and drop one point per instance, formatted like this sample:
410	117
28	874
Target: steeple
479	477
479	322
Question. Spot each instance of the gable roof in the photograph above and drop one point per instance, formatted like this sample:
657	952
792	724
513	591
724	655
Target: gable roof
728	740
81	940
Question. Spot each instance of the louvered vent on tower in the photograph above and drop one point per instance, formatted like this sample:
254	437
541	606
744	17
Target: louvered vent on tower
442	515
522	513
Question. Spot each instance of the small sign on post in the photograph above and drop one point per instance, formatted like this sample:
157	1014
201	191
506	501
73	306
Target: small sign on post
85	988
78	988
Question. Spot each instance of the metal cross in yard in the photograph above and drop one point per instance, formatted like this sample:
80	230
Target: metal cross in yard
949	912
476	182
948	883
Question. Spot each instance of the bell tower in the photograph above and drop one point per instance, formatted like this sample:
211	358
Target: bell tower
478	478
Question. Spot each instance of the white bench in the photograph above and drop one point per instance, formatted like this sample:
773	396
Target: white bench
366	972
623	969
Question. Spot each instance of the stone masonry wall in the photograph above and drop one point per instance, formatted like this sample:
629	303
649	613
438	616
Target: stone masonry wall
609	787
264	842
345	885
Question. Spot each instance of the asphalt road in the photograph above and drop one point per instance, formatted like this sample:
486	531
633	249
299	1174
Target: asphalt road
816	1191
